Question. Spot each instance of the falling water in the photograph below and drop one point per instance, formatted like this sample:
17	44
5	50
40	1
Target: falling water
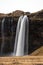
17	34
2	31
22	37
26	35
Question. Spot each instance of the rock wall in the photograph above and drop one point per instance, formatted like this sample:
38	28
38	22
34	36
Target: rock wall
35	31
36	34
8	43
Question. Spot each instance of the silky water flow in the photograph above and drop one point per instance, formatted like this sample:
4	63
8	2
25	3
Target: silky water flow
21	40
3	26
2	32
17	34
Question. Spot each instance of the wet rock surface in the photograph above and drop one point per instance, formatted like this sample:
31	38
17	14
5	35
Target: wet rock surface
35	30
8	42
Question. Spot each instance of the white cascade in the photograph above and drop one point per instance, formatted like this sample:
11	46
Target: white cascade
3	38
17	34
23	36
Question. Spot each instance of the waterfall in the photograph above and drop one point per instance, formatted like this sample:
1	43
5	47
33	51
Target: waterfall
17	34
21	39
2	32
23	36
10	26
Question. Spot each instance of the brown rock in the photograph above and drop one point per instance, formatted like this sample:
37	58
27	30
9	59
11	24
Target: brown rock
37	16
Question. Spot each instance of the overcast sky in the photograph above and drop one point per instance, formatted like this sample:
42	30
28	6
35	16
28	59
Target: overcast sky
7	6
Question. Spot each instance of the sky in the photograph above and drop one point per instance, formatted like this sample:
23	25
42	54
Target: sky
7	6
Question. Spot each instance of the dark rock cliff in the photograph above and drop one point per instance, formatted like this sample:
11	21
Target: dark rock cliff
35	29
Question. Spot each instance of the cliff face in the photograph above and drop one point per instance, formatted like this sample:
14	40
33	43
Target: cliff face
36	33
9	25
35	28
